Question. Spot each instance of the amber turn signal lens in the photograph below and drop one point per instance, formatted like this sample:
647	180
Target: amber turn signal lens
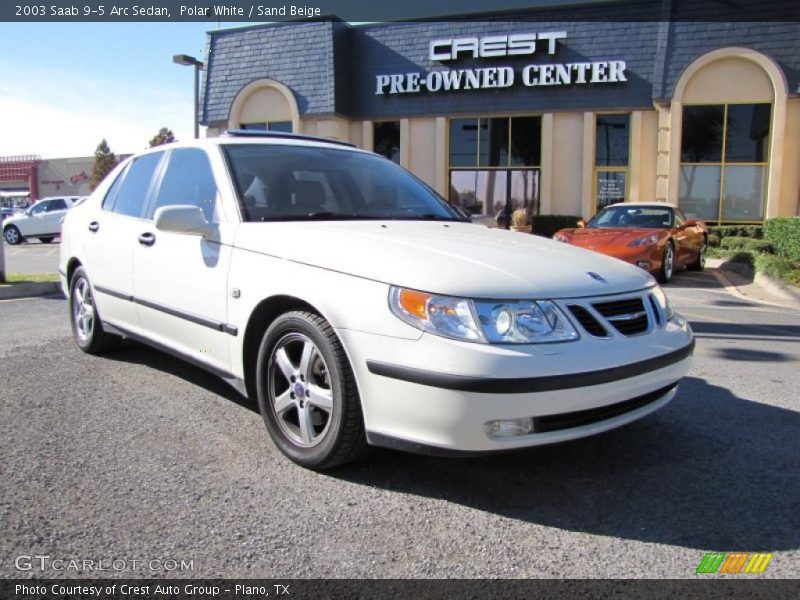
415	303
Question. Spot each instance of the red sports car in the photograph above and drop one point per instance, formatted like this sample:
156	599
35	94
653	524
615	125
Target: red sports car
654	236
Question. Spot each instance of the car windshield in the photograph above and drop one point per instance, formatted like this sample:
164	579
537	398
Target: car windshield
633	217
277	182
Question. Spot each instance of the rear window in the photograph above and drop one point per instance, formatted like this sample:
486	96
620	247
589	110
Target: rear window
281	182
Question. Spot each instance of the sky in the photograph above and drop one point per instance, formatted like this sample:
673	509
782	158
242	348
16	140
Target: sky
66	86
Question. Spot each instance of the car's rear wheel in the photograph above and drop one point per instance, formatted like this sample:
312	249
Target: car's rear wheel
667	263
46	239
12	235
700	262
87	329
307	393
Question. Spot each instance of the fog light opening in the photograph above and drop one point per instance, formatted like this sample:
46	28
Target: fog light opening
644	264
506	428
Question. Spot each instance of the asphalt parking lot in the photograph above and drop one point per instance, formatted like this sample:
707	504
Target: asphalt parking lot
32	257
138	456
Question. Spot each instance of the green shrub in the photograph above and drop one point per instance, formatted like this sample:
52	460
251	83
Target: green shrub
733	243
547	225
784	234
779	268
744	258
747	244
759	246
713	240
749	231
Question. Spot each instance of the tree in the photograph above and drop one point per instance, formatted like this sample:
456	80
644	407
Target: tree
164	136
104	162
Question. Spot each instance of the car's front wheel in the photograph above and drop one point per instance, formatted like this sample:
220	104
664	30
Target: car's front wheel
700	262
667	263
307	393
87	328
12	235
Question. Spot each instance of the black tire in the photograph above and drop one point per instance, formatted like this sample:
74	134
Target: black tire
286	377
46	239
12	235
92	339
700	262
667	263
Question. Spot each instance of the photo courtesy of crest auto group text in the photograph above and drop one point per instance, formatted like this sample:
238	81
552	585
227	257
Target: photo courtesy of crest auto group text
400	301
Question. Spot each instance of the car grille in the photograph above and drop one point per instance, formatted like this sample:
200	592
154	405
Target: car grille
587	321
627	316
595	415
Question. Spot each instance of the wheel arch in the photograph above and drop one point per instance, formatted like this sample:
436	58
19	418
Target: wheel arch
72	265
260	319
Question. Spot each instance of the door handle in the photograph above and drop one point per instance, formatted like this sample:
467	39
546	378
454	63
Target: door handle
147	239
94	226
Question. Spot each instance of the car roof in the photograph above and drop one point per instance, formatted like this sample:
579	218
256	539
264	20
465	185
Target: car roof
644	204
260	139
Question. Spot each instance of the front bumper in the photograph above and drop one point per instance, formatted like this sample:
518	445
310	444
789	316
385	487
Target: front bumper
434	395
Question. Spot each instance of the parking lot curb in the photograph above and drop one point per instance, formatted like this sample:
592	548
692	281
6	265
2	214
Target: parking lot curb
26	290
778	288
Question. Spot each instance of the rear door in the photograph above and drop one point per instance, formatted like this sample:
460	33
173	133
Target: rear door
36	222
180	279
53	215
112	236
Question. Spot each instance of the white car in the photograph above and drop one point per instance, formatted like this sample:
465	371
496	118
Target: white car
358	308
42	220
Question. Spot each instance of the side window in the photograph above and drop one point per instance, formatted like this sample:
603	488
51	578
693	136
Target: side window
40	208
188	180
55	205
111	194
133	192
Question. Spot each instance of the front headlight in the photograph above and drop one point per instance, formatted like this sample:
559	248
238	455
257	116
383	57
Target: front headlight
514	322
561	237
645	240
663	303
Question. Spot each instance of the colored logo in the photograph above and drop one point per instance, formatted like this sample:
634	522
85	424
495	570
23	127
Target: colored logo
734	562
596	276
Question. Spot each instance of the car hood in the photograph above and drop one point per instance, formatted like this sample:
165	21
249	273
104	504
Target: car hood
607	236
459	259
12	218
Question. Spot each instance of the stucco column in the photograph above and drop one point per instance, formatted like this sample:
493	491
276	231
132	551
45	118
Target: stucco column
441	156
587	166
405	143
546	183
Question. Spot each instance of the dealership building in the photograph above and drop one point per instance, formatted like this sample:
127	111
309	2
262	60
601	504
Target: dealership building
561	109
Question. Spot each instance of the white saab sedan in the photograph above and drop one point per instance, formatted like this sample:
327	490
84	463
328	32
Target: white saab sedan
358	308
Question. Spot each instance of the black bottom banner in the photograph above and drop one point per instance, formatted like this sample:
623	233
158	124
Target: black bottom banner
413	589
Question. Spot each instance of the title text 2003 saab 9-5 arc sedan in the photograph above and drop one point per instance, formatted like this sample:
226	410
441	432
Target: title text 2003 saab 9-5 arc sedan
358	308
654	236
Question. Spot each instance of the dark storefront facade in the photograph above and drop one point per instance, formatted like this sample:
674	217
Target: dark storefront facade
563	110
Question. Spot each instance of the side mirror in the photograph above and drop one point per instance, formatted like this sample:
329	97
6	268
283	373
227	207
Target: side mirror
581	224
183	218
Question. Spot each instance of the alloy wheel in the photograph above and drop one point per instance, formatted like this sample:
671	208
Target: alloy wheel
300	390
83	310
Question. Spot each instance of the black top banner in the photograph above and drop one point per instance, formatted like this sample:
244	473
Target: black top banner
361	11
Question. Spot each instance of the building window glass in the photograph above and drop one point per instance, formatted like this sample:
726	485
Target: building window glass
724	159
280	126
386	139
494	165
612	146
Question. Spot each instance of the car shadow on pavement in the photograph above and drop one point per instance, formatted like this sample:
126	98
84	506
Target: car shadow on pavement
709	471
134	352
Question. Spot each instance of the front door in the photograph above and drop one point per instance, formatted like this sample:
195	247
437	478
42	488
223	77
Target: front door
181	279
